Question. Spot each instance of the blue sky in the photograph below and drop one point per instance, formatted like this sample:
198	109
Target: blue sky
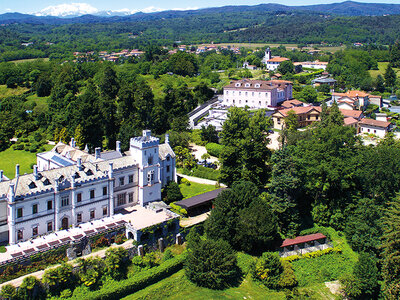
90	6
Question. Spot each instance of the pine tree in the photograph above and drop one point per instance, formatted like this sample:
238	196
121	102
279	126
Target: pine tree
390	76
379	84
395	55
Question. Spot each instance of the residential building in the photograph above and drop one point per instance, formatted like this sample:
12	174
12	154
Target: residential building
69	192
257	93
306	115
359	99
378	128
272	62
312	64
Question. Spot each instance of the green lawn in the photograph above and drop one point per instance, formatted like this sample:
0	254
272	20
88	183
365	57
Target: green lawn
382	68
178	287
328	267
40	101
9	158
195	189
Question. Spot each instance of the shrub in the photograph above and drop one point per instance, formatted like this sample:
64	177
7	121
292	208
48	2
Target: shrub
288	278
315	254
8	291
120	239
178	209
18	147
119	289
214	149
173	192
185	181
167	255
268	269
100	242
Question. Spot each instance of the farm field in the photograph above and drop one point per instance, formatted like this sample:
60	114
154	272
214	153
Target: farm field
28	60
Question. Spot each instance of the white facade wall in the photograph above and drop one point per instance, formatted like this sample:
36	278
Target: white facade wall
272	65
123	187
378	131
250	98
314	66
168	171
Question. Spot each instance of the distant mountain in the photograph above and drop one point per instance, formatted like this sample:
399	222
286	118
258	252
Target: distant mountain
351	8
348	8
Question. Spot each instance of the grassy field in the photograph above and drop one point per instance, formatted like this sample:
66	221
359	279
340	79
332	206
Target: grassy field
6	92
382	68
194	189
29	60
40	101
9	158
275	45
178	286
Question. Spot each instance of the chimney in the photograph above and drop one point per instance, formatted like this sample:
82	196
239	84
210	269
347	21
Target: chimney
72	142
1	175
17	170
118	146
35	172
79	163
12	192
110	170
97	153
167	138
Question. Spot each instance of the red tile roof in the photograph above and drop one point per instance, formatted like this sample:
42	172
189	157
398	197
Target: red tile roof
300	110
291	103
356	114
278	59
350	121
302	239
372	122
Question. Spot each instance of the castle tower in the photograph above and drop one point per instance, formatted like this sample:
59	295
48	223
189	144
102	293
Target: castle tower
144	149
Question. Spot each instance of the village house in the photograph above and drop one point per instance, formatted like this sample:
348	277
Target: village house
257	93
272	62
357	99
306	115
378	128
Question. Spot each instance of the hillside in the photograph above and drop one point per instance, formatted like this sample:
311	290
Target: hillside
347	8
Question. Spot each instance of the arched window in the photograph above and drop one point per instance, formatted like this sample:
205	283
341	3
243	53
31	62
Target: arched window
150	177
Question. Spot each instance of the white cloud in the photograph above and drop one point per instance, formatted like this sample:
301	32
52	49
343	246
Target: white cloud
67	9
187	8
8	9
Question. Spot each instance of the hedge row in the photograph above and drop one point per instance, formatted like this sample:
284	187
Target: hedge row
123	288
315	254
214	149
201	172
178	209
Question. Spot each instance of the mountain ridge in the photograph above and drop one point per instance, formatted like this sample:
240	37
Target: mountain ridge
346	8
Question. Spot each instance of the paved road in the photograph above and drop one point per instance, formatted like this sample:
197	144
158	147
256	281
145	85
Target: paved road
39	274
200	180
198	151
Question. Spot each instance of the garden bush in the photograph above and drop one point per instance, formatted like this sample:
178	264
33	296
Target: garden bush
214	149
179	210
118	289
315	254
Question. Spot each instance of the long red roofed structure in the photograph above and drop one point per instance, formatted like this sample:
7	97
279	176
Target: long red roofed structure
302	239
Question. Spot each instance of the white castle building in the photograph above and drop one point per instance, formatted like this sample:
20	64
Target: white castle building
69	186
257	93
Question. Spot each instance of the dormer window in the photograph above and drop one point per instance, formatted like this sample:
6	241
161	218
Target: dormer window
61	178
77	175
257	85
237	84
89	172
46	182
32	185
247	85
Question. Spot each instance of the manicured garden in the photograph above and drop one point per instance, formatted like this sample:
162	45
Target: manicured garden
10	157
194	189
